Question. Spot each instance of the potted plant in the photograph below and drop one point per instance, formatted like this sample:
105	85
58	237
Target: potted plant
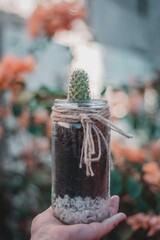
81	154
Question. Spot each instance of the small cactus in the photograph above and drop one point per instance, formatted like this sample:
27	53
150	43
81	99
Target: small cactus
79	86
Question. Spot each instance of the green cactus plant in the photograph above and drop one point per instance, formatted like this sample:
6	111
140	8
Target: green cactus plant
79	89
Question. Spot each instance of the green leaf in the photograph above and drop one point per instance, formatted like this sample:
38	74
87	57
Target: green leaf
133	187
103	91
116	182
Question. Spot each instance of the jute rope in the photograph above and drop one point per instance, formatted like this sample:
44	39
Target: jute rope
88	118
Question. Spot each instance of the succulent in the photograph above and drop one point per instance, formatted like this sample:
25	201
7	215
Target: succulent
79	86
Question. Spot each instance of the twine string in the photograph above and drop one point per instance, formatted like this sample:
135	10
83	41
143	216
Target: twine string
88	118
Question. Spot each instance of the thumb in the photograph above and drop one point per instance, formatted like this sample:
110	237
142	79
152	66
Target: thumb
110	223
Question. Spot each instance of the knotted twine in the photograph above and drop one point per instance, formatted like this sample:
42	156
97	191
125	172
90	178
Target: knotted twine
88	118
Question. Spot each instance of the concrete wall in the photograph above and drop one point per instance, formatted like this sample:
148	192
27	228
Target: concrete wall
127	24
9	23
154	31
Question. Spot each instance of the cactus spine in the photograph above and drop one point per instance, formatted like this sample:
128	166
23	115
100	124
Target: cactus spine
79	86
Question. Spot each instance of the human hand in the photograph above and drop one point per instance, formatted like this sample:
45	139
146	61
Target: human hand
46	227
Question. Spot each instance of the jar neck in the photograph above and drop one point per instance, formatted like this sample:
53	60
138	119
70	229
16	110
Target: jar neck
92	103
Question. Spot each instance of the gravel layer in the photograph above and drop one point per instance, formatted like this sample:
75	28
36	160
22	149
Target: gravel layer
80	210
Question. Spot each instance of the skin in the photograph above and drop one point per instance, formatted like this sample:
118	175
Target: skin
46	227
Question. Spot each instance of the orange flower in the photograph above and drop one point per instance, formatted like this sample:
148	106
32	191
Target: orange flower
134	155
11	67
151	167
155	149
149	222
120	152
153	179
152	174
154	223
57	17
139	220
16	65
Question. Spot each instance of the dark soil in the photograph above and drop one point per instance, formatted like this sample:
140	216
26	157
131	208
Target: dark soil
68	178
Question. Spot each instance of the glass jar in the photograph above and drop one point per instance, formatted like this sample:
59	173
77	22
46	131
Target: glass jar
76	197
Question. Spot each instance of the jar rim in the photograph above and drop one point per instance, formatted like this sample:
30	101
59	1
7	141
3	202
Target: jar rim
80	103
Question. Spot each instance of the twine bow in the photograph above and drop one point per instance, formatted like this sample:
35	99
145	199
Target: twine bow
88	119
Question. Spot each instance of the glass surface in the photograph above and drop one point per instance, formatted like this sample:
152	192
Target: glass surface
77	198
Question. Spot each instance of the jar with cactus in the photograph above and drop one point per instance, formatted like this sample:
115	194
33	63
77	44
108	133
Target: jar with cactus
81	154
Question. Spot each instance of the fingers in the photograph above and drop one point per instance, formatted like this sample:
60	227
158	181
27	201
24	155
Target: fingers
109	224
98	230
114	205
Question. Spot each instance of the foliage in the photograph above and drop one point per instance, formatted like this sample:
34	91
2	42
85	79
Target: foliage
25	137
136	174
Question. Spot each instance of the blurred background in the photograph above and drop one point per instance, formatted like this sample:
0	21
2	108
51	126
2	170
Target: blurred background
118	43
